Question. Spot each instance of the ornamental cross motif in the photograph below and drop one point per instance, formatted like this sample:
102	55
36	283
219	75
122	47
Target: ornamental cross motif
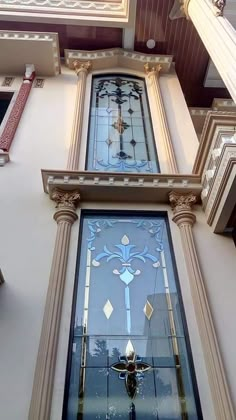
120	125
130	367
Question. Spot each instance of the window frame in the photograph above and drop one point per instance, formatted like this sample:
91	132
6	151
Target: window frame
134	212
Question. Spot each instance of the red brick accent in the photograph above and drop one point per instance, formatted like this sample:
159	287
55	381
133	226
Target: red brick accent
15	114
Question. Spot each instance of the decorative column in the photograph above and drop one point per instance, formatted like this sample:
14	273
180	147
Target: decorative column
17	109
82	69
65	216
185	219
218	36
153	75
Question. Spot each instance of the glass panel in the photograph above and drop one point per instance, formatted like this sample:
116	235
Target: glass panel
120	133
129	358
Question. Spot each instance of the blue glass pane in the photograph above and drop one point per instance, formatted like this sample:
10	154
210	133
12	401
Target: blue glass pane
128	331
120	131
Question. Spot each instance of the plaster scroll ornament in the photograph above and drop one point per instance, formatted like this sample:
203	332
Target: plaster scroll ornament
67	199
181	202
82	66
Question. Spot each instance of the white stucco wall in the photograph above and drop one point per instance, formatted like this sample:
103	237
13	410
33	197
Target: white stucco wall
27	234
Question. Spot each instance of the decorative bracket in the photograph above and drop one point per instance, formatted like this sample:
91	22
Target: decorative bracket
219	6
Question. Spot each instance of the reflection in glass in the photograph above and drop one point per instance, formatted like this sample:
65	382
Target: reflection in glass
129	358
120	132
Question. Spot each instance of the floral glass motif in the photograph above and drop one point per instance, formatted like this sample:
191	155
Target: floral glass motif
120	133
128	357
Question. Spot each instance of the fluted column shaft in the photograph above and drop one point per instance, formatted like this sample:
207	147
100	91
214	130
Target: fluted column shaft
218	36
184	218
82	69
46	361
10	128
153	75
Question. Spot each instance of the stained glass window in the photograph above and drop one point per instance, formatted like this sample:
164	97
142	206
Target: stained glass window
120	130
128	357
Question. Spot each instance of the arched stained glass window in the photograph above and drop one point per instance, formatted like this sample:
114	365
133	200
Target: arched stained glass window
120	130
128	358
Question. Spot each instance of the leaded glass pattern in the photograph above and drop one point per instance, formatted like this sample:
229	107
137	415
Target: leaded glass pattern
128	357
120	131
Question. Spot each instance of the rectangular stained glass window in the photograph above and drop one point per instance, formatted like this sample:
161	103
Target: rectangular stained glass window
128	357
120	130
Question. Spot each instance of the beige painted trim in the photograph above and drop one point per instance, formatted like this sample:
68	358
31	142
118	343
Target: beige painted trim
82	68
65	216
153	75
185	218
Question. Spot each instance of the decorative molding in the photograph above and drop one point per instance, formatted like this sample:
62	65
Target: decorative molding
185	218
37	44
65	199
7	81
82	5
117	57
38	83
219	6
153	73
152	70
65	216
80	66
181	202
10	128
96	13
101	186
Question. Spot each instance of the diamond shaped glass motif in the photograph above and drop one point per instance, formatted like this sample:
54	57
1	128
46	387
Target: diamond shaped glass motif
109	110
130	111
133	142
108	309
148	310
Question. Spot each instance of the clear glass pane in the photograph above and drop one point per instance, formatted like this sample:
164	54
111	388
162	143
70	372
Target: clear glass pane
120	134
128	330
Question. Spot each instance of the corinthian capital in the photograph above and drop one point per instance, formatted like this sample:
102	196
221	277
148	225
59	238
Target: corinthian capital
181	202
151	70
65	199
82	66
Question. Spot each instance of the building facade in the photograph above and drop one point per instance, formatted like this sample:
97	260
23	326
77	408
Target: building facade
117	246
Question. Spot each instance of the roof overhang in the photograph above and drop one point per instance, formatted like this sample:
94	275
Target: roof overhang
20	48
118	13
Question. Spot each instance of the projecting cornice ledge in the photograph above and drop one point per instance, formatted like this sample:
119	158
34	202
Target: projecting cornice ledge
113	187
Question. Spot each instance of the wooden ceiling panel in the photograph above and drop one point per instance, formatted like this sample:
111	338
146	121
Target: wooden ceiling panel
180	39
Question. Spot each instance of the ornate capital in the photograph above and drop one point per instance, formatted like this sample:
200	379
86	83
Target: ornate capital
65	199
29	73
152	70
181	202
219	7
84	66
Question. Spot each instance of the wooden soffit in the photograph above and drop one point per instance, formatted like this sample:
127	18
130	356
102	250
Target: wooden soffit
20	48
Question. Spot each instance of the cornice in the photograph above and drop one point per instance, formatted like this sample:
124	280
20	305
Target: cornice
100	187
80	12
118	57
215	120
